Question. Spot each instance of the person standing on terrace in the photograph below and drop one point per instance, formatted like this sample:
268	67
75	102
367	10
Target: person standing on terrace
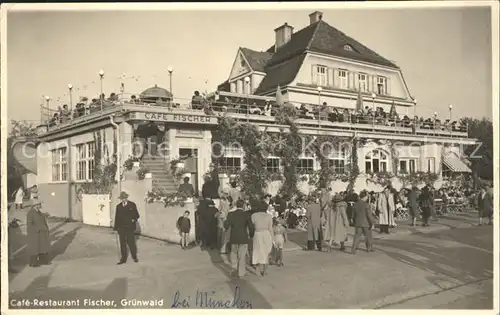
197	100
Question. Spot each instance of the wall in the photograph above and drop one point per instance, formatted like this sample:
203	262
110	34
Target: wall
396	87
54	197
161	223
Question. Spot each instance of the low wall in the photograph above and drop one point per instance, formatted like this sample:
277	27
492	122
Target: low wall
54	197
161	223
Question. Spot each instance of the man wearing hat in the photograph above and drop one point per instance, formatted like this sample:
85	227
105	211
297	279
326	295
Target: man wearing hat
126	217
38	242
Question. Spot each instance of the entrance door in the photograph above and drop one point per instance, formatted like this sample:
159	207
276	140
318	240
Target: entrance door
190	158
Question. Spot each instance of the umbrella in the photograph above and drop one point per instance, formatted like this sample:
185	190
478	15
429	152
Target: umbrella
359	101
392	112
279	97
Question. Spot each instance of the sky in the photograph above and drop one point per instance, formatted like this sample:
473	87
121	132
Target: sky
444	53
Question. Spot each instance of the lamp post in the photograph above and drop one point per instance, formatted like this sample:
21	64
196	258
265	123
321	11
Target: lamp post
319	89
170	71
101	75
247	91
435	118
414	108
451	108
373	101
70	88
47	99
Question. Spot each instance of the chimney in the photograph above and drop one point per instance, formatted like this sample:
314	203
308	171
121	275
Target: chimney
315	17
283	35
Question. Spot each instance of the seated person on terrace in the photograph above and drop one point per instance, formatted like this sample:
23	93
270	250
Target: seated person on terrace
268	108
196	100
65	114
54	120
254	109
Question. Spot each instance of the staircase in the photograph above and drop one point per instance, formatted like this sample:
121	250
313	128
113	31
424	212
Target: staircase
162	178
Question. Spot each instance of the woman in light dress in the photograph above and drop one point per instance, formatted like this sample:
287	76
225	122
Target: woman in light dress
337	222
262	239
18	197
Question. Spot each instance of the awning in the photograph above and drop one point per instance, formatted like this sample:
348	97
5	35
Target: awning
453	162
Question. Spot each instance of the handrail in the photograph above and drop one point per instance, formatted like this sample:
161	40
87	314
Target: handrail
321	114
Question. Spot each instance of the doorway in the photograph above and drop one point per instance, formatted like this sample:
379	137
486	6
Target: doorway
190	158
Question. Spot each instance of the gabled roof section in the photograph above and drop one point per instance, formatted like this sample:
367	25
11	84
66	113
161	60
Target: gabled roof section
329	40
323	38
281	74
256	59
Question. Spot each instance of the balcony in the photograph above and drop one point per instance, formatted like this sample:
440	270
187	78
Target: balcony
261	110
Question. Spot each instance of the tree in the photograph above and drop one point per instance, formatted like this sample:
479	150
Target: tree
15	171
480	155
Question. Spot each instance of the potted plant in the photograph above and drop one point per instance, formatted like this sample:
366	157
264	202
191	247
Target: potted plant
141	172
131	162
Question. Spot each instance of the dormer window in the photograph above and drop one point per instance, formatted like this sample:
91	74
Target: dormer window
348	48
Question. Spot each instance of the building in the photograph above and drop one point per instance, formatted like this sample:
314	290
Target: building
318	64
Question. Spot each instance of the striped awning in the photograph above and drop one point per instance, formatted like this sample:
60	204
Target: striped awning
453	162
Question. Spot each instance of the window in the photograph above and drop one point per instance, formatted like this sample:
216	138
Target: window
376	162
343	79
59	165
85	161
273	165
232	159
407	166
337	160
321	75
430	165
381	85
362	82
348	48
305	166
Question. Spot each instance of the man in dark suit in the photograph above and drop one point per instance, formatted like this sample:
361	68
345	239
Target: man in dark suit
485	205
126	217
363	222
241	228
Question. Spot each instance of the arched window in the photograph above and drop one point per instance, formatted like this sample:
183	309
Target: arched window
376	161
348	48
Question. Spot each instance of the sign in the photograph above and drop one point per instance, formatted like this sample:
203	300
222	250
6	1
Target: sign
177	118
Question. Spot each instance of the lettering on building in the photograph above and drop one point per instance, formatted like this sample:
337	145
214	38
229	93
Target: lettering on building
177	118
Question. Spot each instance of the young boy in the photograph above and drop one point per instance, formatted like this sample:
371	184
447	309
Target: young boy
280	238
184	226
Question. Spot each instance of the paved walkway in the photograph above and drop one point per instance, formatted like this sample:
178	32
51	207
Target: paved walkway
403	267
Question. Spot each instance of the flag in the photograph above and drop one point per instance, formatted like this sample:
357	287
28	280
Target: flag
279	97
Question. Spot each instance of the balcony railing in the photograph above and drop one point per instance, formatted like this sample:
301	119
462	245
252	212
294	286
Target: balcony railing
261	110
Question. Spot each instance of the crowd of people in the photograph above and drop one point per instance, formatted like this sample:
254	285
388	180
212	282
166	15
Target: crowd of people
252	106
255	231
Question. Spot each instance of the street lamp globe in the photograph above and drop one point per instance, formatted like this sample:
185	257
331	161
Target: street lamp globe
320	89
47	98
373	95
101	73
170	69
435	114
70	86
450	107
247	79
415	100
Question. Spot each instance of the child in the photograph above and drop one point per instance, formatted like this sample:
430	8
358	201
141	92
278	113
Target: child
280	238
184	226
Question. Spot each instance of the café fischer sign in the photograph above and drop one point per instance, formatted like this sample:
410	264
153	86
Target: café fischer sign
177	118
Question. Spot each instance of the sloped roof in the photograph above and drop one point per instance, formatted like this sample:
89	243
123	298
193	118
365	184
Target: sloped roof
282	66
281	74
257	59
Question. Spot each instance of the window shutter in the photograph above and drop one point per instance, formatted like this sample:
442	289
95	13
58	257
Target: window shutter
336	78
331	79
350	82
388	86
374	84
369	83
314	76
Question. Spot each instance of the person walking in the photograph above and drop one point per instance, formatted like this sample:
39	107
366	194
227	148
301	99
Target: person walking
126	220
240	226
413	205
223	211
314	229
485	205
262	239
363	222
340	222
38	241
34	192
234	193
385	209
426	202
18	197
